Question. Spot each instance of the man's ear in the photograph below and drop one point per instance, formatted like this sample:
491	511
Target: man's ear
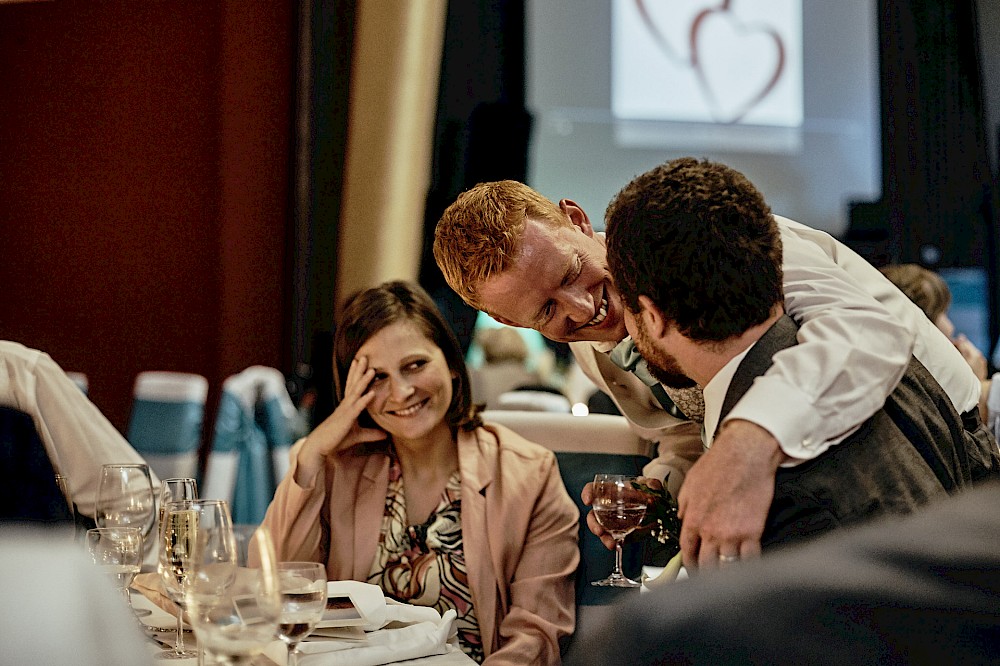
577	216
652	317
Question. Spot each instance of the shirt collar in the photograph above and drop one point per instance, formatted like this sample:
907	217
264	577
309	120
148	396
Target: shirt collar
715	394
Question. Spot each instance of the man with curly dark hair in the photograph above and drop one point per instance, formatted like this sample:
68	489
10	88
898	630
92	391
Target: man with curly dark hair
533	262
697	258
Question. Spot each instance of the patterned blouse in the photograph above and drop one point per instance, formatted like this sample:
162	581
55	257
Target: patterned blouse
424	565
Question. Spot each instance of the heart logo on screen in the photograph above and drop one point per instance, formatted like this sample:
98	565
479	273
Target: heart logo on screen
737	65
668	24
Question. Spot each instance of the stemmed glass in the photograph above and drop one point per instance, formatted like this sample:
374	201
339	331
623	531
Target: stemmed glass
234	610
118	551
181	488
303	600
619	508
184	523
125	497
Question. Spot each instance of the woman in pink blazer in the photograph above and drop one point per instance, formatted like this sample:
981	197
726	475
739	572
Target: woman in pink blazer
404	487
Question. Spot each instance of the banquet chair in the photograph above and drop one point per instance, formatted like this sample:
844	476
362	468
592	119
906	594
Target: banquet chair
253	432
585	446
80	379
533	401
165	425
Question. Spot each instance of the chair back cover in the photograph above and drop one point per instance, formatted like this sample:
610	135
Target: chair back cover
168	410
533	401
585	446
253	432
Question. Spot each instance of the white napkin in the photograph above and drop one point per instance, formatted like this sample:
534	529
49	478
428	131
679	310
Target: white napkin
385	646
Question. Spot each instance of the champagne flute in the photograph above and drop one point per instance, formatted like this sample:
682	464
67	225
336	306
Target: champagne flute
181	488
62	482
178	553
234	611
303	600
118	551
619	508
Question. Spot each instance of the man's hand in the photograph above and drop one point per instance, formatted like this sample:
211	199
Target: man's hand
726	495
587	495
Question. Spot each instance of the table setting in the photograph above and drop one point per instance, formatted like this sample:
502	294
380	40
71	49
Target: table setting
204	598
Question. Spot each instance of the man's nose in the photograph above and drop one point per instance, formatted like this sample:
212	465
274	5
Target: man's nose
578	306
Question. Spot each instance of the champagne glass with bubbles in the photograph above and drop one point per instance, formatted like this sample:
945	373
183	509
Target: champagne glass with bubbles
179	553
619	508
303	600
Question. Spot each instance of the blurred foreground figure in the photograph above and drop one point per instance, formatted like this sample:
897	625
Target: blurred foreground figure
57	608
922	590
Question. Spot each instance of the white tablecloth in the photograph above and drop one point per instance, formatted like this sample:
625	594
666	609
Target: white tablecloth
275	654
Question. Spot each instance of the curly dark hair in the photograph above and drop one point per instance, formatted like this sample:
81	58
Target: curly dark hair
369	311
698	239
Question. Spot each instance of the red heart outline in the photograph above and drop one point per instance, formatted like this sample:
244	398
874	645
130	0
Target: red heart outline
660	39
696	26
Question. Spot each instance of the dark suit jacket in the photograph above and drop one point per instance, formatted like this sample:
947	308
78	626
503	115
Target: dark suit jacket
922	589
910	452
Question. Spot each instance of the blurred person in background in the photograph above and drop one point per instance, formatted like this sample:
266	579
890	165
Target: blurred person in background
504	367
931	293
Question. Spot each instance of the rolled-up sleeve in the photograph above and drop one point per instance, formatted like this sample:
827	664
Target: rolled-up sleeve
852	352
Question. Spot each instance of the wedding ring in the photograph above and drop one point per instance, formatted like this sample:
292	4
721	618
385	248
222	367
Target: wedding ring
729	559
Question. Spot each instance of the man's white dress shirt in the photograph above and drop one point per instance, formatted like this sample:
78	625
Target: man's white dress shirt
77	436
857	333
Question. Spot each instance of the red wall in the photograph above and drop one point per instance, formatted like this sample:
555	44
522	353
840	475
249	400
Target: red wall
144	186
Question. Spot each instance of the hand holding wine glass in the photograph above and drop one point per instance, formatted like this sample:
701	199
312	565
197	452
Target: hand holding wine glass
619	507
303	600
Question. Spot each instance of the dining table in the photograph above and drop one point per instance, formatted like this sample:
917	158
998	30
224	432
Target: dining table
159	627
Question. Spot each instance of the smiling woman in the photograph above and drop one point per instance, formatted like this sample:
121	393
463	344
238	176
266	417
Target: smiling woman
395	487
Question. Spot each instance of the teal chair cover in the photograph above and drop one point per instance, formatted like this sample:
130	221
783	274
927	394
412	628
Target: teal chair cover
165	425
250	443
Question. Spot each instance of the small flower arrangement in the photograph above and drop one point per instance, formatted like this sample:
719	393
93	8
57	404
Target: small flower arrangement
661	520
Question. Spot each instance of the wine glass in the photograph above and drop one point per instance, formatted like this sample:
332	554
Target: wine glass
619	508
303	600
179	552
181	488
118	551
125	497
235	611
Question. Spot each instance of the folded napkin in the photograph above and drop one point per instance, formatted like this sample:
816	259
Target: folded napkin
385	646
151	587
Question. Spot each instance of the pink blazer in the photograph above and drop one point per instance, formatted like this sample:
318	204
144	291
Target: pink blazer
519	532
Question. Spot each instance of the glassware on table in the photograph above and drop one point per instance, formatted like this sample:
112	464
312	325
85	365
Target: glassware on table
125	497
235	611
181	488
303	600
118	553
180	552
619	507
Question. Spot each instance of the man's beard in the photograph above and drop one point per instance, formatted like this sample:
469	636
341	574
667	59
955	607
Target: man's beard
662	366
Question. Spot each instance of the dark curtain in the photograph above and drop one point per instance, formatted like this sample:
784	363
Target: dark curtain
938	189
482	127
326	43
